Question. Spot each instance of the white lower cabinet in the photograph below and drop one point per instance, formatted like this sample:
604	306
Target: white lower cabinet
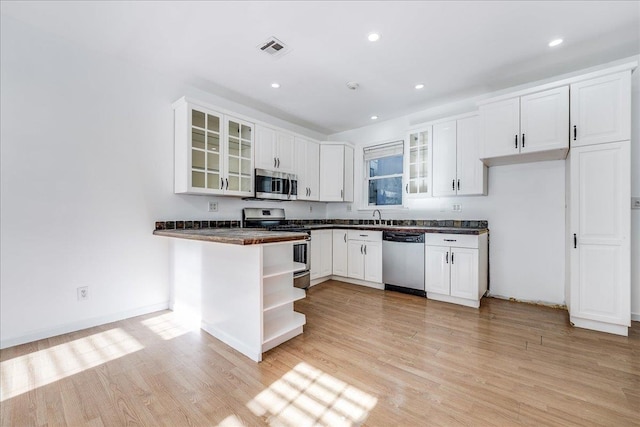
364	255
340	253
321	253
456	267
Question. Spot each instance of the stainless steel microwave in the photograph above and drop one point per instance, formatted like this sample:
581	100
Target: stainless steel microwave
276	185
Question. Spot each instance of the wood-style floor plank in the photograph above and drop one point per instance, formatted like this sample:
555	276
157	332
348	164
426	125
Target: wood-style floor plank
367	357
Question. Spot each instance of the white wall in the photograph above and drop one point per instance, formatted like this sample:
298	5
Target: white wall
86	169
525	210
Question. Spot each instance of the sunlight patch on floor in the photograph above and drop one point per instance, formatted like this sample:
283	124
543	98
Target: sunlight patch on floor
25	373
171	325
307	396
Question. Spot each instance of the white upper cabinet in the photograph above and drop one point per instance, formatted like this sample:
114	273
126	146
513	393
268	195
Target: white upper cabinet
500	128
418	163
307	162
457	169
336	173
529	128
444	155
544	121
274	150
213	152
601	110
471	172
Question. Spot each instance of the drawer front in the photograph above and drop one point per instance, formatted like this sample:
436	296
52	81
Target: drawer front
453	240
370	236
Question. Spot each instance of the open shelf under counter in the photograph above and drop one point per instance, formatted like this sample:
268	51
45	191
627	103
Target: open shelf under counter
281	328
282	297
277	270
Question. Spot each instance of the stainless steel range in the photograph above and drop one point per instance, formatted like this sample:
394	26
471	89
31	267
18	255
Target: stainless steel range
274	219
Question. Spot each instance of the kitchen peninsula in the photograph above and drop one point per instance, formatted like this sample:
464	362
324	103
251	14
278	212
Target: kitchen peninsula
238	283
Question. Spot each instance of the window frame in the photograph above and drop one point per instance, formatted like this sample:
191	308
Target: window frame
367	179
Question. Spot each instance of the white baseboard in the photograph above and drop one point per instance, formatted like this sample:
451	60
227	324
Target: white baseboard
348	280
635	317
80	325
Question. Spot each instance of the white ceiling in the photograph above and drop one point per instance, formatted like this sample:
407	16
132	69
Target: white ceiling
457	49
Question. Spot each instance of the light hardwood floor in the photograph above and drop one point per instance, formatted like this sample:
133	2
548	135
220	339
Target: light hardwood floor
366	357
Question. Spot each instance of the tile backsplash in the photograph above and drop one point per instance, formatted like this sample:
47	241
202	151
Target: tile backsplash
194	225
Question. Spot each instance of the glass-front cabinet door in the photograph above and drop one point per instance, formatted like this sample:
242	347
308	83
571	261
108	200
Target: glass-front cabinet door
418	163
213	151
239	157
206	150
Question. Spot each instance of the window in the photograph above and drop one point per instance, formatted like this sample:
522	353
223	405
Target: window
383	169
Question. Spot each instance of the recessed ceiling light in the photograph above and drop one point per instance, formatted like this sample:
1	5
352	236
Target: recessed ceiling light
275	85
374	117
419	86
555	42
373	37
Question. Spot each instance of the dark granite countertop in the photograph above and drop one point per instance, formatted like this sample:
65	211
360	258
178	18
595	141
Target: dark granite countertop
235	236
405	228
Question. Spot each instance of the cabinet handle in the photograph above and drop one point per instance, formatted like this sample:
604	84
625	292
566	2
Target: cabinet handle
516	141
575	132
453	185
458	184
406	188
446	259
361	251
365	249
221	183
345	237
342	194
451	257
227	181
274	162
278	163
575	241
450	240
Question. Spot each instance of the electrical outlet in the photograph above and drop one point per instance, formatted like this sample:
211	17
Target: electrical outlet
213	206
349	207
456	207
635	203
83	293
310	208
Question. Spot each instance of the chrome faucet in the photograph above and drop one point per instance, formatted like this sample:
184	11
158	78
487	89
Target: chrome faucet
379	216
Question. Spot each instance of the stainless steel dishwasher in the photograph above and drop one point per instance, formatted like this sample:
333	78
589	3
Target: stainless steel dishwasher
403	262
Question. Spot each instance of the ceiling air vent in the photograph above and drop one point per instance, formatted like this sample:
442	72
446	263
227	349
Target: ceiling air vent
274	47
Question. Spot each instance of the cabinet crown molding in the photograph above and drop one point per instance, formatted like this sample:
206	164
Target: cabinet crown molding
628	66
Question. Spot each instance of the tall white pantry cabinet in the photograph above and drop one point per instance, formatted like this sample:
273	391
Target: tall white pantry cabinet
598	291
